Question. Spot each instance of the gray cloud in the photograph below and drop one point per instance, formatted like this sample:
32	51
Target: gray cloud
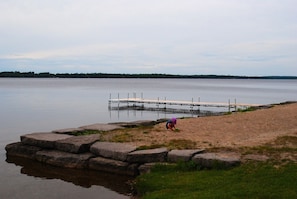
245	37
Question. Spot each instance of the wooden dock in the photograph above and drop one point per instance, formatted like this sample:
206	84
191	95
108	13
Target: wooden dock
191	104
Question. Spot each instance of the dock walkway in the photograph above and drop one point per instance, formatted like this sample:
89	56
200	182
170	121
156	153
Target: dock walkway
141	101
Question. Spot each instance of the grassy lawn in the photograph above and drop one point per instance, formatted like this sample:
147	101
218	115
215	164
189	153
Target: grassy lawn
253	180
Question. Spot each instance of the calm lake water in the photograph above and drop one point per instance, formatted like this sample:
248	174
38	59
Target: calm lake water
43	105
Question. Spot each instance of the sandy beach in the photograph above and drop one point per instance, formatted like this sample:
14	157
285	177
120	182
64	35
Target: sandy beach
239	129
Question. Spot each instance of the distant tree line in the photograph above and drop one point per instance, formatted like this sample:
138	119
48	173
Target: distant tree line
17	74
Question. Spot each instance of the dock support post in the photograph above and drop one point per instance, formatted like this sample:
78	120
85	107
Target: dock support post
134	96
109	102
199	104
118	100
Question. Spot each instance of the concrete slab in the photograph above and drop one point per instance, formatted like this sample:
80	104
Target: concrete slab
146	156
116	151
213	160
77	144
255	157
147	167
182	155
136	123
43	140
19	149
64	159
113	166
101	127
67	130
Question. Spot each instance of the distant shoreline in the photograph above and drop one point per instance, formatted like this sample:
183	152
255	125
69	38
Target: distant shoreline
17	74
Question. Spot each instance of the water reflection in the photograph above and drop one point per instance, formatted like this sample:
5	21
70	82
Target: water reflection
84	178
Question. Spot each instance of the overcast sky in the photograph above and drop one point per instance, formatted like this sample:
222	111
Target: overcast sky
223	37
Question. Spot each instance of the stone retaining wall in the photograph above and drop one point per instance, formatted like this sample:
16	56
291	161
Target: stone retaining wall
88	152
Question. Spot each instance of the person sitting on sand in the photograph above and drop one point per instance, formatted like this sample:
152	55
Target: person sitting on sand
170	124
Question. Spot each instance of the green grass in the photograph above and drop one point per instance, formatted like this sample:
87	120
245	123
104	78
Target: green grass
261	180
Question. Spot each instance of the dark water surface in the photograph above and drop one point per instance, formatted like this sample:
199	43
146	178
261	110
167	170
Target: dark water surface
43	105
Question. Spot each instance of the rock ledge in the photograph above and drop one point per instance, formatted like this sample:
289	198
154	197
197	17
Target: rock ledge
88	152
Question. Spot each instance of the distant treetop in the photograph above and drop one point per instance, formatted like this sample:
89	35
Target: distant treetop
17	74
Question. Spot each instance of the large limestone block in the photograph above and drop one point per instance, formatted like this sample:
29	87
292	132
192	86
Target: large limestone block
77	144
113	166
146	156
147	167
64	159
116	151
135	123
214	160
20	150
255	157
182	155
67	130
43	140
101	127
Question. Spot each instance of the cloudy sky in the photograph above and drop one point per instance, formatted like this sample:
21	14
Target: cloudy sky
223	37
